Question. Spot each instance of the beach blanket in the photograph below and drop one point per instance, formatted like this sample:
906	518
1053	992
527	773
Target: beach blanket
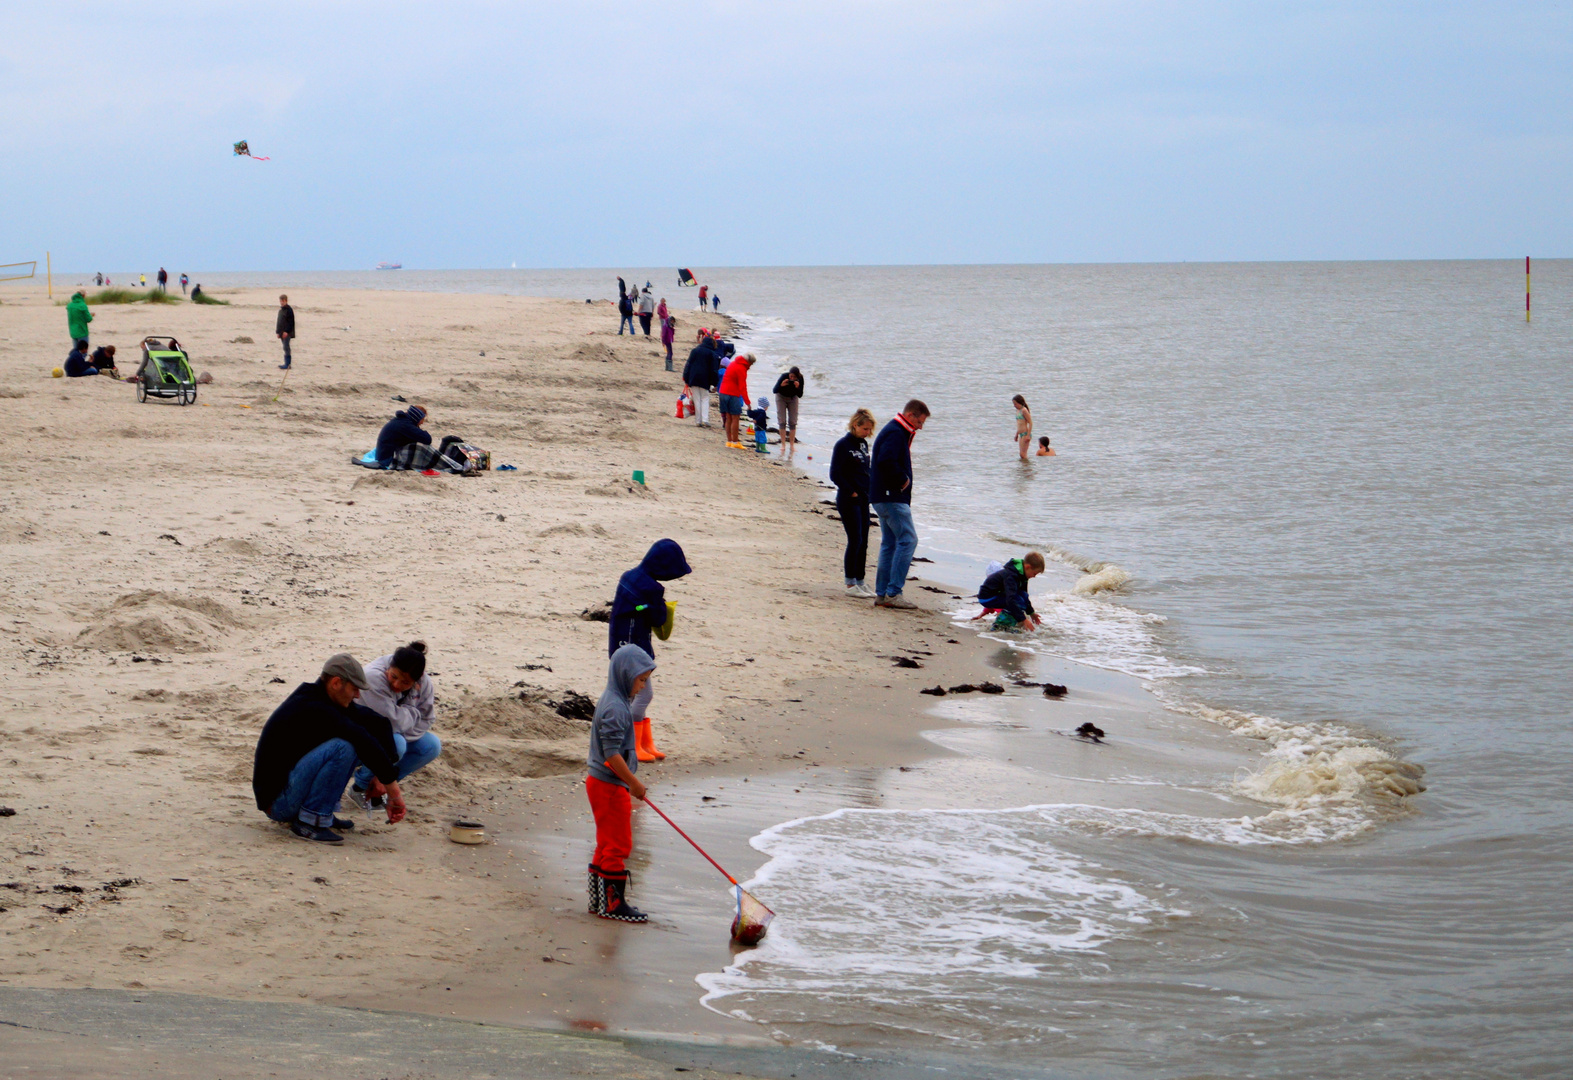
368	460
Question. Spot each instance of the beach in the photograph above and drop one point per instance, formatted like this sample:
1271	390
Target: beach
173	572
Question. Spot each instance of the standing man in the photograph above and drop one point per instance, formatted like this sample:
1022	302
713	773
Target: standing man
77	317
285	328
704	292
625	314
646	308
163	280
700	375
892	499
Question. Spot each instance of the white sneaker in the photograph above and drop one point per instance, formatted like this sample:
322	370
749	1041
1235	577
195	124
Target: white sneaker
862	591
901	603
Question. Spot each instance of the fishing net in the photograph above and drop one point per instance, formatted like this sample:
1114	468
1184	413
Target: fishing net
752	920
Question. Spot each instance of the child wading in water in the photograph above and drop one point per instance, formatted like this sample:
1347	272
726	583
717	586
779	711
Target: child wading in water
612	781
1023	425
1044	449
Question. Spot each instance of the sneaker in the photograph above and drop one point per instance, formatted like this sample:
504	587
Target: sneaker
283	367
376	802
342	823
311	832
358	796
863	591
898	601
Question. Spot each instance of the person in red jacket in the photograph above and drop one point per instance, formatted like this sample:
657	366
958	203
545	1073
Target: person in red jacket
734	397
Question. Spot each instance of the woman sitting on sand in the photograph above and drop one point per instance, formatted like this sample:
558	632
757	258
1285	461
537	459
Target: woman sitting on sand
1044	449
1023	425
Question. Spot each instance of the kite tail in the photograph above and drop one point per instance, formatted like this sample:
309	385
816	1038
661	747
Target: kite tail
254	157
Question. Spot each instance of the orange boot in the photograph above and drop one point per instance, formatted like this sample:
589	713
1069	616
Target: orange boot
641	739
645	743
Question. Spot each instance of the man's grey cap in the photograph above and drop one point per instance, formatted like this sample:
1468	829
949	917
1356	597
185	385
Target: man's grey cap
347	667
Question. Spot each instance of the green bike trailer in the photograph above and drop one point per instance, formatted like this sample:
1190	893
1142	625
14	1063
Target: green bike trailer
165	372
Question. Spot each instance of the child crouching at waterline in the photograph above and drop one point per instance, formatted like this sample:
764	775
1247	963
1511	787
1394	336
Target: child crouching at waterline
612	781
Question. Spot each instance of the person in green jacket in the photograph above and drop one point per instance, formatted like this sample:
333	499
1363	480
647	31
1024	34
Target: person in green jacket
77	316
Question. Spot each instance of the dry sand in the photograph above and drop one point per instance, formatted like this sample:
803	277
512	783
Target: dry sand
171	573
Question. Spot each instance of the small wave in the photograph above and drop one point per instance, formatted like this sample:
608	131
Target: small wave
1095	632
1108	578
759	324
1311	766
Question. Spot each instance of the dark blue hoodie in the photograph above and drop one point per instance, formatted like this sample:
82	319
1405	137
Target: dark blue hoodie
640	603
399	433
702	369
1006	590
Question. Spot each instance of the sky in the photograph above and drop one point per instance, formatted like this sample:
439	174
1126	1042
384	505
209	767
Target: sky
733	133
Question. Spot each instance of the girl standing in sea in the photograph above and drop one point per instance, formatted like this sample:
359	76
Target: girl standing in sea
1023	425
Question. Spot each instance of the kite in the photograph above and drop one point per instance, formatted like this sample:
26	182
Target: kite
242	150
684	277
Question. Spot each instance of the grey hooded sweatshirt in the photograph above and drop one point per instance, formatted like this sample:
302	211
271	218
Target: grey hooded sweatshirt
411	713
612	727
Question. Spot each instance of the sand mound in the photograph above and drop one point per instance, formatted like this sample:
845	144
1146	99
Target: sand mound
531	714
234	547
495	738
621	489
7	392
153	621
592	352
410	483
572	528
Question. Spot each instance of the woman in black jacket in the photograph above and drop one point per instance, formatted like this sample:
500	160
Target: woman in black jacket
849	471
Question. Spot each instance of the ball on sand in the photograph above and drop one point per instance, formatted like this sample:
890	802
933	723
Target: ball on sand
58	373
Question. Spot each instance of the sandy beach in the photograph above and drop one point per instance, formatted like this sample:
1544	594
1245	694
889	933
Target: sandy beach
172	572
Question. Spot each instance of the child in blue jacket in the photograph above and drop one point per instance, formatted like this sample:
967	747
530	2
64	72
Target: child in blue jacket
638	608
1005	592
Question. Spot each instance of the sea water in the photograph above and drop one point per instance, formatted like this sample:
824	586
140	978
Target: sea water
1320	511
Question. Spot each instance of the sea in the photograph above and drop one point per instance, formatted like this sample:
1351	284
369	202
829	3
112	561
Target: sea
1317	515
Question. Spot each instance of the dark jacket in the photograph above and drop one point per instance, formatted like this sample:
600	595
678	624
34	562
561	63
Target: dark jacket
101	359
304	721
1006	590
892	464
702	369
789	385
398	433
640	603
625	306
849	468
286	322
76	364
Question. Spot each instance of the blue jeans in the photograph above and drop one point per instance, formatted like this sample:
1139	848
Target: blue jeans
628	321
287	360
898	542
315	785
413	756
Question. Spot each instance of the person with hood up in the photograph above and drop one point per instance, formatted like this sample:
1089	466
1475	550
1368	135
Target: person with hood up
700	376
77	317
612	781
646	308
639	607
1005	591
404	429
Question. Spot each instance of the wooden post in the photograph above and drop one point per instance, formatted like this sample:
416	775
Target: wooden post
49	276
1526	288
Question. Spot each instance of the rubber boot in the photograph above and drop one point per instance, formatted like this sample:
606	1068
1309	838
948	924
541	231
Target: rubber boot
617	905
642	740
646	736
597	891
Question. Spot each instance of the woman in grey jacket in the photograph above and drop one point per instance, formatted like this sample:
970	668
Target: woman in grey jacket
402	691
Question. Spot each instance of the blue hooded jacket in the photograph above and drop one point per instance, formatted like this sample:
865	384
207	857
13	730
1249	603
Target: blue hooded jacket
612	726
399	433
640	603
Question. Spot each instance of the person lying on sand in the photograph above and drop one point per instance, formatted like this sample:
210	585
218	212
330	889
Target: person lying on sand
310	746
405	428
1005	591
612	781
400	690
1044	449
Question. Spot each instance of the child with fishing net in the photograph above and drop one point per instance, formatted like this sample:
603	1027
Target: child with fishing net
612	785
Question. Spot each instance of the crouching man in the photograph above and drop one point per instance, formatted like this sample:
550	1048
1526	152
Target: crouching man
310	746
402	692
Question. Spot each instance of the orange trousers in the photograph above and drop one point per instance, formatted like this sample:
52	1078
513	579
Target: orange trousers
613	808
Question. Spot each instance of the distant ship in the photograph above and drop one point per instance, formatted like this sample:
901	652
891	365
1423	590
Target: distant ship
390	266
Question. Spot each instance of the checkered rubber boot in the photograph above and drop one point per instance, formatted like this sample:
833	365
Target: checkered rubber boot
617	906
597	887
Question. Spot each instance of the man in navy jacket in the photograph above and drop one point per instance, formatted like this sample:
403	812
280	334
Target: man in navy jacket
892	500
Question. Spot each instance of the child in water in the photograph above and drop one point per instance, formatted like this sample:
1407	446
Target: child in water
1044	449
1023	425
1005	592
612	785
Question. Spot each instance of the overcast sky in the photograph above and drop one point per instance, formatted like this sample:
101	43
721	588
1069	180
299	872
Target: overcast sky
739	133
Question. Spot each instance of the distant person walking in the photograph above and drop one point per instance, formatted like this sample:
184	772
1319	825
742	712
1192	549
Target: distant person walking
1023	425
704	293
715	301
143	279
788	391
183	282
625	311
99	278
646	309
163	280
892	501
285	329
77	316
849	471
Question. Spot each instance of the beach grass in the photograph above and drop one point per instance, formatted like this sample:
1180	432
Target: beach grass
204	298
118	295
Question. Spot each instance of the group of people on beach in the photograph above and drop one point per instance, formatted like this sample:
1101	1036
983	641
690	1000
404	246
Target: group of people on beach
713	366
369	728
101	279
642	302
